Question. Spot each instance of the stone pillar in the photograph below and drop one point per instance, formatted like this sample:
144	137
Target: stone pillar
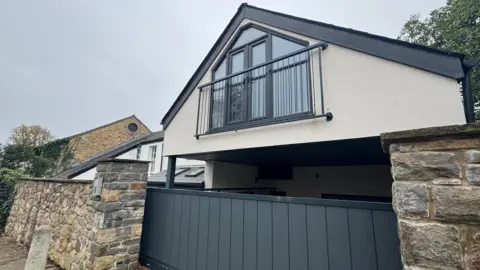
436	195
118	214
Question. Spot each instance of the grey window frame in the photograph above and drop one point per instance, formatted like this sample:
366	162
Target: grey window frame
246	48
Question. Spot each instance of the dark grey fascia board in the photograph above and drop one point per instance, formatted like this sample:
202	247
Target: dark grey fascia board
443	63
448	64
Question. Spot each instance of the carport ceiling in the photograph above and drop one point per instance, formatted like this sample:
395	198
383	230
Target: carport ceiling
362	151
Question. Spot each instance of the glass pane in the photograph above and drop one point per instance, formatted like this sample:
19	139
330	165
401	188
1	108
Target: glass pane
237	62
236	95
248	35
258	54
221	70
281	46
290	90
218	110
258	93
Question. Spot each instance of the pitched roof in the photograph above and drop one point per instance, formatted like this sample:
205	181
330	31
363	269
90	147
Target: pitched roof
113	152
109	124
429	59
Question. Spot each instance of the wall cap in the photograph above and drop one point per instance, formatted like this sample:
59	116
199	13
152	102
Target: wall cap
426	134
113	160
57	180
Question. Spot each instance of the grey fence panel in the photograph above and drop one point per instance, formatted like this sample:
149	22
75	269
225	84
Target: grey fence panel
192	232
202	244
338	238
236	236
177	214
297	223
281	252
195	230
265	239
317	237
388	253
213	230
250	235
184	229
362	240
224	230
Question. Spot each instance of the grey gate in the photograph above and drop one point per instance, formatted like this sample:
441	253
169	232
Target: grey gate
197	230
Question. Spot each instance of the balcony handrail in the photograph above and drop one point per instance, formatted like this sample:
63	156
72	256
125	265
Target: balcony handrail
323	45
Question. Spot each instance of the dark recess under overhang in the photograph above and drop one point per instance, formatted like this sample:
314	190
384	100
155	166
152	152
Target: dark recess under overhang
360	151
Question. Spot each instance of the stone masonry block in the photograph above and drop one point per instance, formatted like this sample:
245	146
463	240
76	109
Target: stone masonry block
110	177
105	236
130	221
410	199
133	241
472	156
116	186
133	249
121	214
473	174
137	230
123	231
472	254
424	166
139	168
138	186
97	250
456	203
101	263
101	167
431	245
133	177
106	207
136	203
116	250
132	196
110	195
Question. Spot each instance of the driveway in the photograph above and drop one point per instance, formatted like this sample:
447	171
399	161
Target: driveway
13	256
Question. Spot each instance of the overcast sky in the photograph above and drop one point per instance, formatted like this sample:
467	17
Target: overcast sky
74	65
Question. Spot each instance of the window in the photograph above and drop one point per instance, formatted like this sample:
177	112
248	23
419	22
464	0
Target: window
153	156
279	89
132	127
139	153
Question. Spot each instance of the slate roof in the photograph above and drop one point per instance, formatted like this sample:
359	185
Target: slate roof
88	164
448	64
194	174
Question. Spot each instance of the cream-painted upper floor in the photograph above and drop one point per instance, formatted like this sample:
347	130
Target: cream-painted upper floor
367	95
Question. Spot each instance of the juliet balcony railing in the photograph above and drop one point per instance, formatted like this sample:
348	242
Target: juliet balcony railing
273	92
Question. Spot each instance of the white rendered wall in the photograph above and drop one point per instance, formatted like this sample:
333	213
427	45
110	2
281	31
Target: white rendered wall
366	94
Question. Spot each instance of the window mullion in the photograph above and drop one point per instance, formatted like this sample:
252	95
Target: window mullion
269	79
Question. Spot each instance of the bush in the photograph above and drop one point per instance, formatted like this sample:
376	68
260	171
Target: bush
8	179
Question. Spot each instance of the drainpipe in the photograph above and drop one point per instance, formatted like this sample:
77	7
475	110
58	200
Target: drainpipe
468	105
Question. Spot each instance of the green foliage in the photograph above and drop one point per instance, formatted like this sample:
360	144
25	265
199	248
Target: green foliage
8	178
454	27
29	149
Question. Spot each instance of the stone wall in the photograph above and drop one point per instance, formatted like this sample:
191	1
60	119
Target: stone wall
436	195
101	139
61	204
119	214
89	232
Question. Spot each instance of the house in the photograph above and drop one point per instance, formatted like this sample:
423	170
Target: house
298	106
100	139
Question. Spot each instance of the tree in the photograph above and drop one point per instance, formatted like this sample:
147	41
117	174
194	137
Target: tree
454	27
30	136
32	149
